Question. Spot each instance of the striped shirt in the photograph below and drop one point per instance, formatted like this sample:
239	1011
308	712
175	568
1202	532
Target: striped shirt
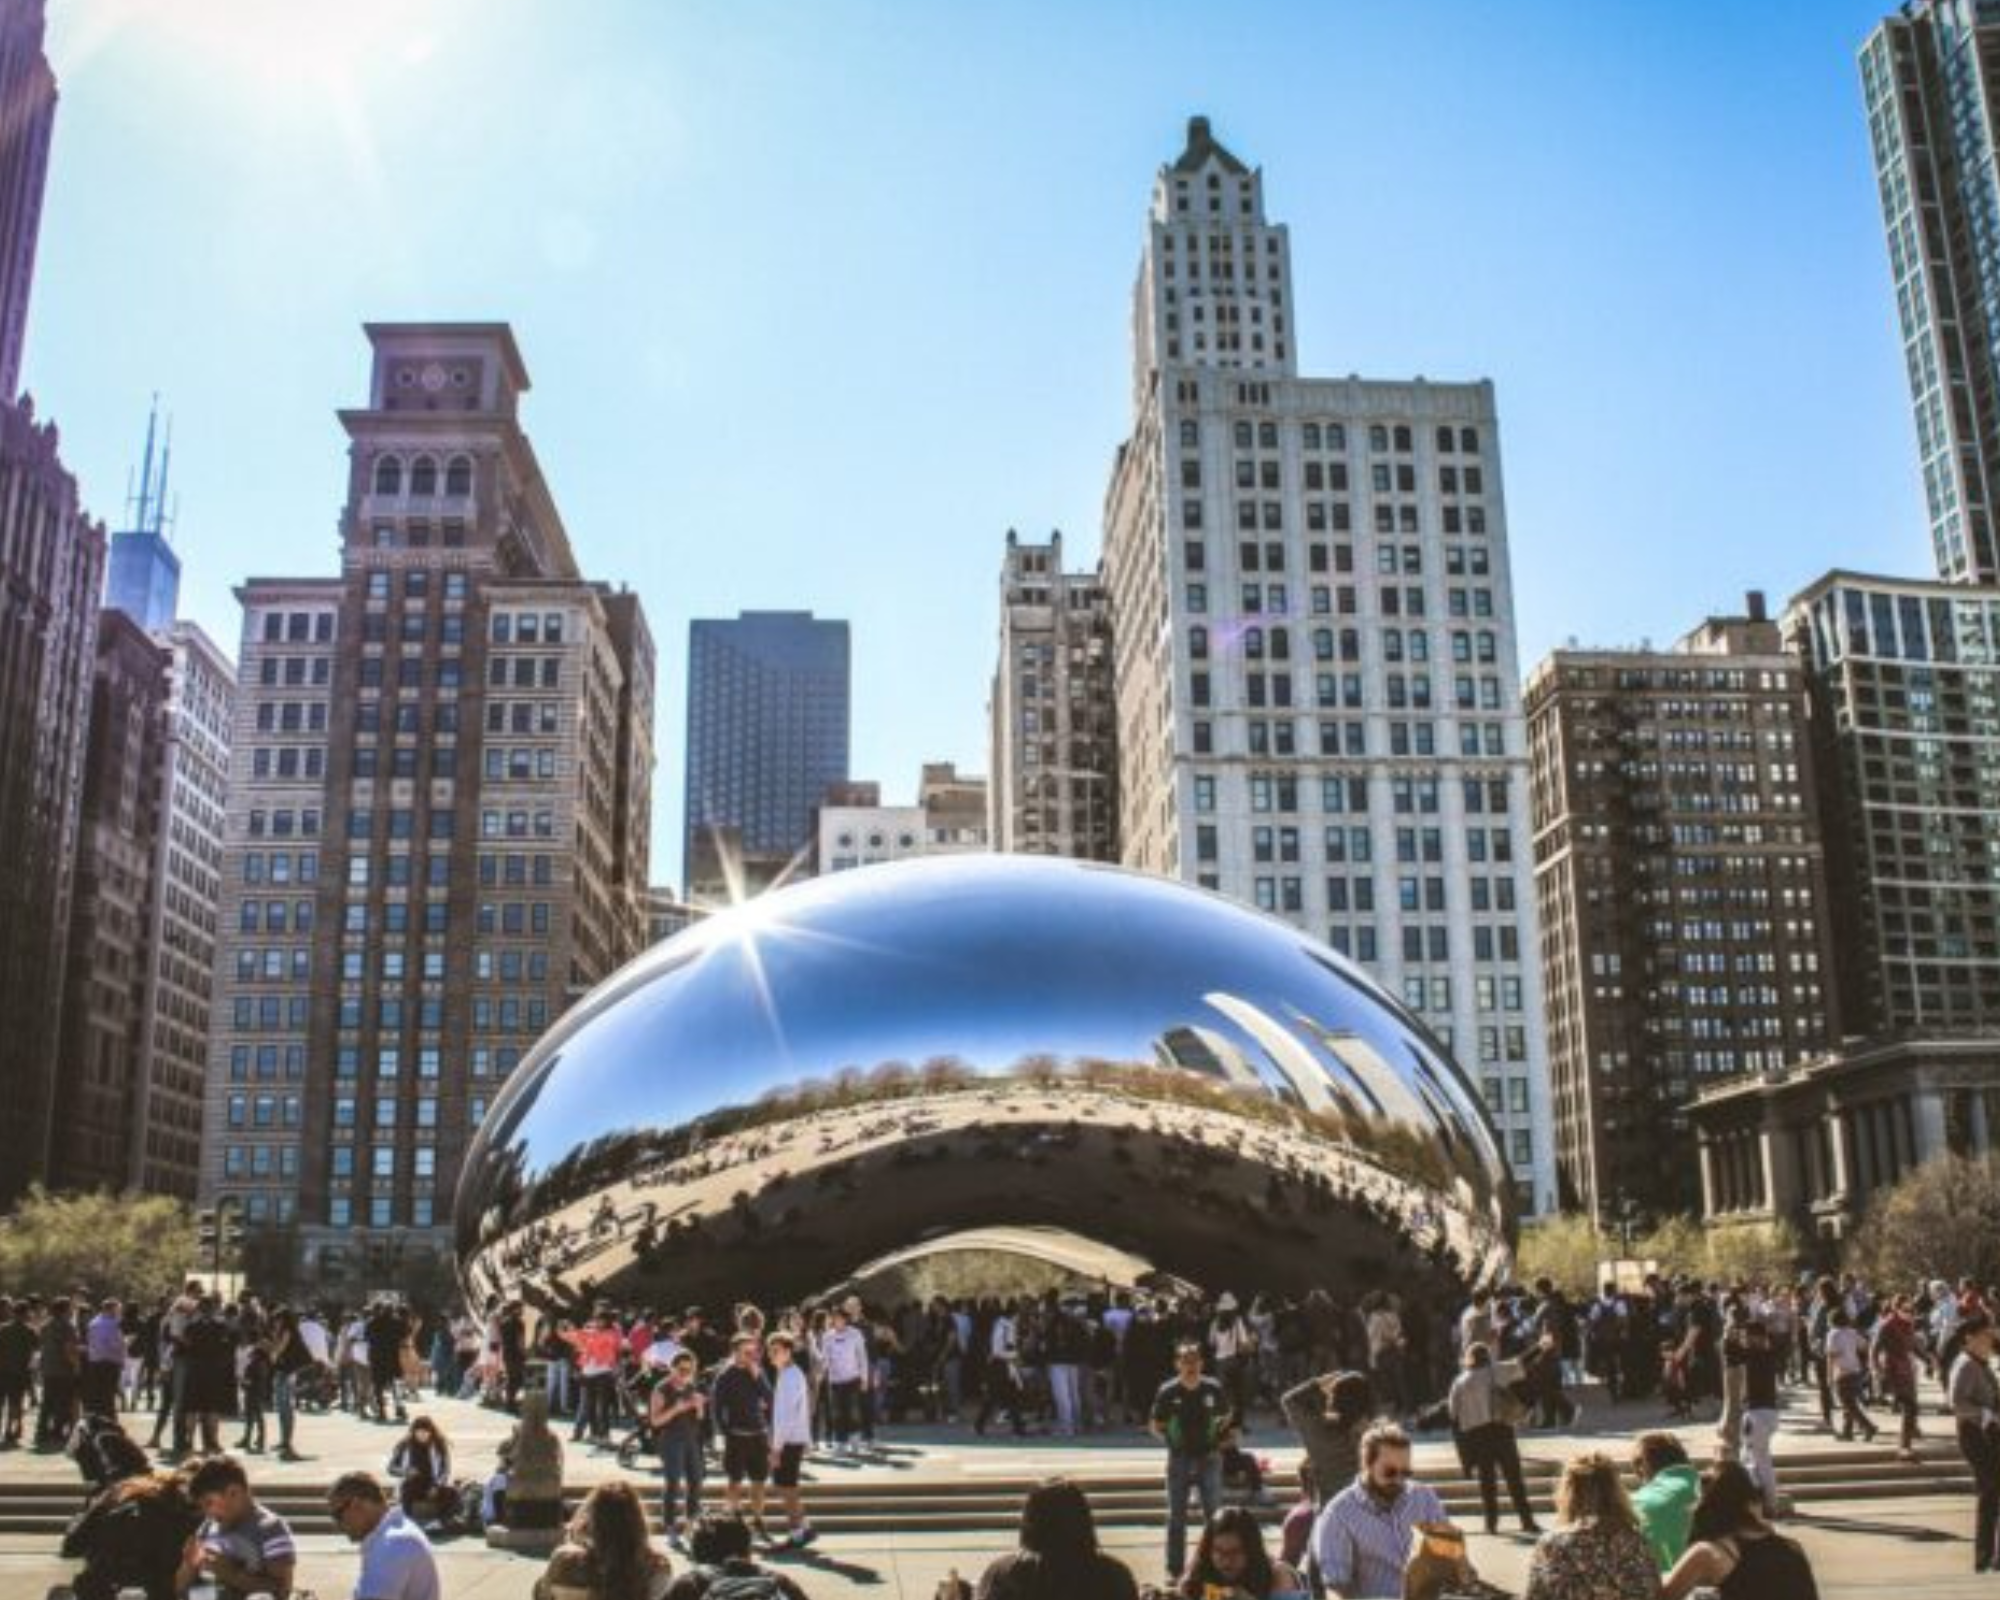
1362	1545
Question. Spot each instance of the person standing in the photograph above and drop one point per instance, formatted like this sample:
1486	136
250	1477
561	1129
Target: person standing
791	1434
844	1352
60	1360
1002	1391
1191	1415
103	1360
1760	1361
1974	1396
1361	1542
1893	1351
208	1394
1847	1367
674	1412
1329	1414
1484	1410
741	1401
396	1558
17	1367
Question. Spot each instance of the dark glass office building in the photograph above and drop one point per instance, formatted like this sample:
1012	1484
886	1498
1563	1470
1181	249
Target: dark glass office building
767	734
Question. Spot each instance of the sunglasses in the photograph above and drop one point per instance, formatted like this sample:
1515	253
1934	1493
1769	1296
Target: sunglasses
1392	1474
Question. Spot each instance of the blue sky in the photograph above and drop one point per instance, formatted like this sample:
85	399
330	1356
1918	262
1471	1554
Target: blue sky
819	299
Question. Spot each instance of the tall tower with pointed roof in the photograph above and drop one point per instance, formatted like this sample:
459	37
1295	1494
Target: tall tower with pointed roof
1215	279
1313	650
143	579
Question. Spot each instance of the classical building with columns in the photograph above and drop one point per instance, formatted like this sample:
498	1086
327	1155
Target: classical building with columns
1811	1144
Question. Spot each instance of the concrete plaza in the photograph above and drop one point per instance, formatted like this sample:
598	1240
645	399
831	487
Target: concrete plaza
1885	1534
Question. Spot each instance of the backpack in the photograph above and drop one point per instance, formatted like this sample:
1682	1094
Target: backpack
725	1585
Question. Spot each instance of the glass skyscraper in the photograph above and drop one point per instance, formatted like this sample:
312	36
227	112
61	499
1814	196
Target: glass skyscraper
767	735
1931	79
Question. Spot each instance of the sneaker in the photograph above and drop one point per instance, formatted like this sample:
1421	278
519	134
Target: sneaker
801	1537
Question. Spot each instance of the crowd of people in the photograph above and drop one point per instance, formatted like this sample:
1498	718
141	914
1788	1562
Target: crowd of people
752	1397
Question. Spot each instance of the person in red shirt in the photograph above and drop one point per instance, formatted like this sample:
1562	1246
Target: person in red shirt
597	1350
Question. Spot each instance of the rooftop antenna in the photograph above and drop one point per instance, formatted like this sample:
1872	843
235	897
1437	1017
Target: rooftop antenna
164	520
142	503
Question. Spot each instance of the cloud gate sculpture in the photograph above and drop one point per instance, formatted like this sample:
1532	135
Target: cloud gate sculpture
895	1056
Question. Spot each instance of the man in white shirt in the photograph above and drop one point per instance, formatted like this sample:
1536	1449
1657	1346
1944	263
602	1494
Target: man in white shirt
396	1559
791	1435
844	1349
312	1334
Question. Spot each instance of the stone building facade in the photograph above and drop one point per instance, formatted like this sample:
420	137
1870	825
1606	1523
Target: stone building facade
436	832
1053	714
1680	881
1314	655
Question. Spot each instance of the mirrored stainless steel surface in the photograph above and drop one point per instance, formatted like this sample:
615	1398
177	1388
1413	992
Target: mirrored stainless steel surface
843	1069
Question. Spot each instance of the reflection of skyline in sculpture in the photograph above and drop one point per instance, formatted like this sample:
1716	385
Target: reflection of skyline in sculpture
826	1075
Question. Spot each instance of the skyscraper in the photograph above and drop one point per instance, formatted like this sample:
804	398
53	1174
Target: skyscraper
767	736
435	833
51	569
104	990
1681	886
1904	676
1931	79
1318	703
144	576
1054	789
27	122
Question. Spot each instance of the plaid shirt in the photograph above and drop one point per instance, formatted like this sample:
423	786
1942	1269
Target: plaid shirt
1362	1546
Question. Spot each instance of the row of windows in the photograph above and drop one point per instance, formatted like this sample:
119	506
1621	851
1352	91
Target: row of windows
422	477
416	583
1382	437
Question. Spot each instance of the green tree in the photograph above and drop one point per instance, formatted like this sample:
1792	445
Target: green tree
1941	1221
1565	1249
1759	1251
132	1245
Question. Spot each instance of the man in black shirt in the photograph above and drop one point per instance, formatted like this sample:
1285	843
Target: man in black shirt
1760	1360
741	1407
1191	1415
17	1365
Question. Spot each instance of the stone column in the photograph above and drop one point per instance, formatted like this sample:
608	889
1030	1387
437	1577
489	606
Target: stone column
1705	1151
1840	1180
1783	1195
1927	1123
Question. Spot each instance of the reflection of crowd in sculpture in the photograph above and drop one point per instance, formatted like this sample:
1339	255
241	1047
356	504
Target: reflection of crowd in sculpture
644	1197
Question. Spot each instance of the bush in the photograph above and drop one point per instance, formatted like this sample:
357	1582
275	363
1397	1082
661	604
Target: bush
133	1246
1565	1249
1941	1221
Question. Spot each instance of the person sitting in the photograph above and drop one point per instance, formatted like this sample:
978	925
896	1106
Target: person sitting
721	1550
1231	1559
1058	1558
1735	1551
421	1462
1597	1552
607	1552
1665	1499
241	1548
131	1536
1295	1537
396	1558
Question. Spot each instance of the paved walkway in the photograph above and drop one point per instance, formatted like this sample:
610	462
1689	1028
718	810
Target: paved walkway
1909	1547
1862	1550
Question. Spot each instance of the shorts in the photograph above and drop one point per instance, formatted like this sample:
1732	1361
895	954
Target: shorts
791	1459
746	1455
